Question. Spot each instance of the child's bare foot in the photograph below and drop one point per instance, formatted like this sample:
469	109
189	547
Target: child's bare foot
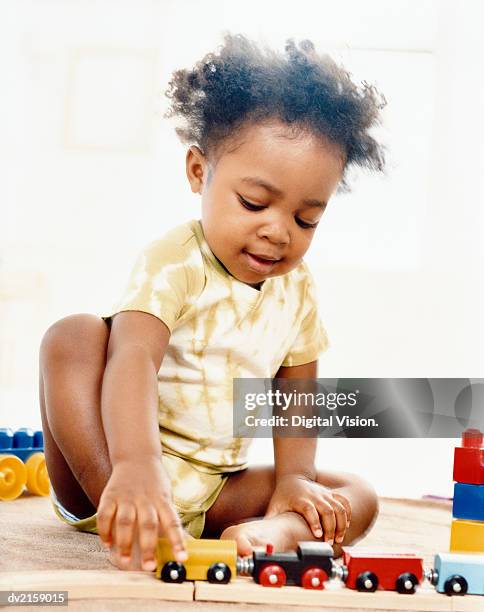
284	531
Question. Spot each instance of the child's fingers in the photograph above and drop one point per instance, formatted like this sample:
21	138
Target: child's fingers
173	530
344	500
328	520
341	520
124	524
104	520
148	536
310	513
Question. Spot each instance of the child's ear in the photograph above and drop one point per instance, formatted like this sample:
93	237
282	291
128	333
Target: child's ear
196	168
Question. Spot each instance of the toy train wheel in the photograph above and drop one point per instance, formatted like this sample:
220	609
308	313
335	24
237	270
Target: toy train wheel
406	583
272	576
13	477
37	477
456	585
367	581
219	573
313	578
173	572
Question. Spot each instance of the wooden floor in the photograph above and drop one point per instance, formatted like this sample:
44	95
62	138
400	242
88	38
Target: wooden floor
41	553
94	586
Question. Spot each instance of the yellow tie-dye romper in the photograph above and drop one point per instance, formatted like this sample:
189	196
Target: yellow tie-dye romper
220	329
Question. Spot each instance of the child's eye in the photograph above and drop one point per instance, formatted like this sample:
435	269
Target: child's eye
256	207
250	206
306	225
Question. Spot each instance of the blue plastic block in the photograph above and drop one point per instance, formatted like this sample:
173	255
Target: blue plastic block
468	501
21	443
469	567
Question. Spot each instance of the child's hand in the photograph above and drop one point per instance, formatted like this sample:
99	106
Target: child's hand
137	502
321	507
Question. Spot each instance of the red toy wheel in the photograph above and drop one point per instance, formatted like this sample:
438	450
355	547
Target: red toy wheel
272	576
313	578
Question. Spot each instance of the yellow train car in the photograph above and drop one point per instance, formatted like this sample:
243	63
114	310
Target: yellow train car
212	560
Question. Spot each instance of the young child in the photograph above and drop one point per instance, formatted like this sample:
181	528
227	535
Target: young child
137	405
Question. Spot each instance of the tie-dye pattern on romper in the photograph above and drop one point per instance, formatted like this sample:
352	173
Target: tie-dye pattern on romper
220	329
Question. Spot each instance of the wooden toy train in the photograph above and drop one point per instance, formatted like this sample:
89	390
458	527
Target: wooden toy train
454	573
312	564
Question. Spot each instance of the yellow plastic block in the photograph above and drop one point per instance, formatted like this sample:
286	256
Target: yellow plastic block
467	536
201	555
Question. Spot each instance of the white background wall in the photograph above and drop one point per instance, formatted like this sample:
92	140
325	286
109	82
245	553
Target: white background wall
91	173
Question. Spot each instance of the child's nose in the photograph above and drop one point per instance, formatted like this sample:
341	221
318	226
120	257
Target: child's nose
276	231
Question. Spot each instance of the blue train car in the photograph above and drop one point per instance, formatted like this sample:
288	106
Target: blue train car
458	574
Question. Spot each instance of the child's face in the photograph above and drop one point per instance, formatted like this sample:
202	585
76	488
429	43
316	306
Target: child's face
259	231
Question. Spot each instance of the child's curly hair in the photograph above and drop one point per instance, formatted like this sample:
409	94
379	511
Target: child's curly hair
305	90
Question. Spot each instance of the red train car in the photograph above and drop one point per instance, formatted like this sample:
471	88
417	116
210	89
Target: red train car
369	570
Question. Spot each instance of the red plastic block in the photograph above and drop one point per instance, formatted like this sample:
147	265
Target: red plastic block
472	438
469	458
369	570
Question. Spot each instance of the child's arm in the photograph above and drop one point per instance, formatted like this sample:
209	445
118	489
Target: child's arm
137	497
297	488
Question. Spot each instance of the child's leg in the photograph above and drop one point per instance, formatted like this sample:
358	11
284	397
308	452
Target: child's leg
72	362
228	518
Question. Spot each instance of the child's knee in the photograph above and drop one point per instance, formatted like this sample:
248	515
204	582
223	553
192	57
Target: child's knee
371	501
367	500
74	337
361	493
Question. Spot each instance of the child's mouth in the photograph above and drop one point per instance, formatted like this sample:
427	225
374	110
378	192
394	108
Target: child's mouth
259	264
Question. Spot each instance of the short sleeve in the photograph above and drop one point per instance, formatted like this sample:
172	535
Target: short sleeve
167	277
311	339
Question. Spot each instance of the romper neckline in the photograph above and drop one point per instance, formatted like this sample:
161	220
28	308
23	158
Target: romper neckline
242	289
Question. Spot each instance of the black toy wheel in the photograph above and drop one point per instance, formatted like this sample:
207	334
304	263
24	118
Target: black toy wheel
456	585
406	583
219	572
173	572
367	581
